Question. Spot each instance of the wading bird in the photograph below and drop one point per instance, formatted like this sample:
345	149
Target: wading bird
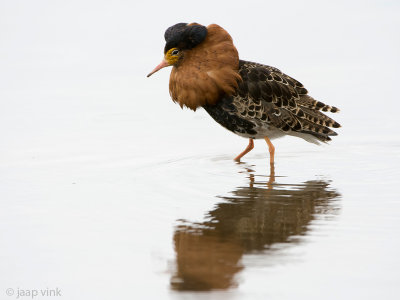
250	99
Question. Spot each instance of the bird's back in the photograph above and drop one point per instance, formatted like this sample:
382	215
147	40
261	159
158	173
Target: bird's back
271	103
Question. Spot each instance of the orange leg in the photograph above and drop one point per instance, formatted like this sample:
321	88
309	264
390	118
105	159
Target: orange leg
271	149
249	147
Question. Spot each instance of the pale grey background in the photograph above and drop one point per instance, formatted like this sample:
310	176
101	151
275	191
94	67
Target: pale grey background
97	163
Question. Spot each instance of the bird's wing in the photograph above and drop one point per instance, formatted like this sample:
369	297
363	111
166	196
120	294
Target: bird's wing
285	100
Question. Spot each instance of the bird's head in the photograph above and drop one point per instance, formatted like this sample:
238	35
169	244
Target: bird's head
205	64
179	38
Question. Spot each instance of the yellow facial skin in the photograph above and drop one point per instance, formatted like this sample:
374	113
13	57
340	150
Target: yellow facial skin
172	56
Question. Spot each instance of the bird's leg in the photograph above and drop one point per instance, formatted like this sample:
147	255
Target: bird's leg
271	149
249	147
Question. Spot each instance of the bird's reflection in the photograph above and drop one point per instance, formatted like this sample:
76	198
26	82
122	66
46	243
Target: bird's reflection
252	219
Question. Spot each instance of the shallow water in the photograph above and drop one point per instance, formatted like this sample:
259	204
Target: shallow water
113	227
108	190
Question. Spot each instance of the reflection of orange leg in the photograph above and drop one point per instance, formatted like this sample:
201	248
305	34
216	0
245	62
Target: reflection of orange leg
271	175
249	147
271	149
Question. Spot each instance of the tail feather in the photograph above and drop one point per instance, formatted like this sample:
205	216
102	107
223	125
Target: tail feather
320	137
319	118
309	102
316	124
321	132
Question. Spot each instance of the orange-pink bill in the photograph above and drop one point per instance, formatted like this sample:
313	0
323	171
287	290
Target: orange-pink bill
163	64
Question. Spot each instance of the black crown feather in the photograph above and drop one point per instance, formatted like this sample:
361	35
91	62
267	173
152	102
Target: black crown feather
183	36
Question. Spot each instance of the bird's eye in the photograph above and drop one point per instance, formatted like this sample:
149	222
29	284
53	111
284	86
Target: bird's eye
175	52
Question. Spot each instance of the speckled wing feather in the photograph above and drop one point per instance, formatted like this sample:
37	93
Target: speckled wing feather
275	98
